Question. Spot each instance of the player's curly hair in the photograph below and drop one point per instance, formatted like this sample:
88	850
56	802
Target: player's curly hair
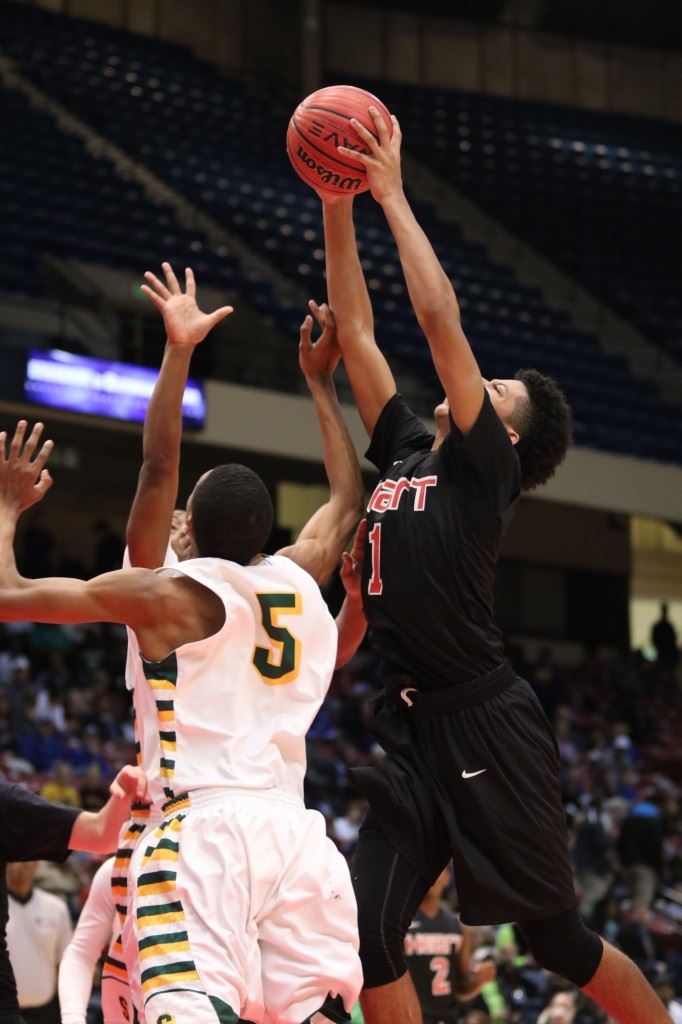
544	426
231	514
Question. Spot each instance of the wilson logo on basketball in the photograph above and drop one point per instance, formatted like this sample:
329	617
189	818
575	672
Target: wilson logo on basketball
326	176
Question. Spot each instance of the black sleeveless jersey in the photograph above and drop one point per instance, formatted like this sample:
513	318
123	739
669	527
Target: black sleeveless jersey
431	948
435	523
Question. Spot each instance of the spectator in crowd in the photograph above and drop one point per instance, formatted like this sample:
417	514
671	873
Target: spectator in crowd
38	932
664	641
60	788
37	548
592	860
641	852
561	1009
109	548
93	792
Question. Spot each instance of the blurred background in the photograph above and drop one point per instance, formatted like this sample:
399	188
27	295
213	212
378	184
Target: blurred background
543	155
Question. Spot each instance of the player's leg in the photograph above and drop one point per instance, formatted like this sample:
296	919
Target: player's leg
388	891
189	907
563	945
307	927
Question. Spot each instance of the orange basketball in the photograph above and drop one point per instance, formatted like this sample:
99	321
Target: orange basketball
320	124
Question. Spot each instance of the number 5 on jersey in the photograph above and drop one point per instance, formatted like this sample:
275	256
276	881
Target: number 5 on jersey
280	662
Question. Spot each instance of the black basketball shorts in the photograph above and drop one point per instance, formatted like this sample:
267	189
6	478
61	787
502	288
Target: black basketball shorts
479	785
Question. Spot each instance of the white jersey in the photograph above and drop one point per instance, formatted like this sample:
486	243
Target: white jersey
234	709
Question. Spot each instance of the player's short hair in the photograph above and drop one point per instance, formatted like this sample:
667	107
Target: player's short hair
544	426
231	514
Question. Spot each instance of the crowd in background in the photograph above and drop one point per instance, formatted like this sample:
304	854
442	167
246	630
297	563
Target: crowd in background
66	727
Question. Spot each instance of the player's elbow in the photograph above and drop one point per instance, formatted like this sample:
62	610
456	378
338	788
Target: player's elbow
439	314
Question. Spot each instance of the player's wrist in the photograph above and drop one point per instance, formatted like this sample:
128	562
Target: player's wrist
393	196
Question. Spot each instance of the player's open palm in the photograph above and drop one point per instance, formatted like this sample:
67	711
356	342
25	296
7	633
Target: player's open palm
24	481
186	325
319	359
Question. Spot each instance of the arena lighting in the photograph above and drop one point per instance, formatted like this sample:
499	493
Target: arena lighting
101	387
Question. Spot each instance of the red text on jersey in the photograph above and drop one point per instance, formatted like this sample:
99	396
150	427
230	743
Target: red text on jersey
388	493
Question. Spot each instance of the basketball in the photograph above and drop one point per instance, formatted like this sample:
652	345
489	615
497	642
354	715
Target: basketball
319	125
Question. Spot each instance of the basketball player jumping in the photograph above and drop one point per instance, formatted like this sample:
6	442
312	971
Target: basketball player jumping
151	518
472	768
242	906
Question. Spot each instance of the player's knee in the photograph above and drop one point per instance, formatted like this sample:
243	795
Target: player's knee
381	944
563	945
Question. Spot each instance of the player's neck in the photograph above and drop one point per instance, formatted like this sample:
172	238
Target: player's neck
430	906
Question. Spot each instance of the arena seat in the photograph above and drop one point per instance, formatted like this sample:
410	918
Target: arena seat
222	147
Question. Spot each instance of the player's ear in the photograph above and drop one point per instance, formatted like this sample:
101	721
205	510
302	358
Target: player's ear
513	434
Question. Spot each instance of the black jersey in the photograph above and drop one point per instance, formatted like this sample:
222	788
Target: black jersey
432	947
435	522
30	829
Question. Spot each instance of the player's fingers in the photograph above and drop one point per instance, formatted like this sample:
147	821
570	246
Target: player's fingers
305	332
44	484
220	314
158	286
362	158
171	279
190	283
367	136
155	299
42	456
18	439
358	549
32	442
382	130
317	312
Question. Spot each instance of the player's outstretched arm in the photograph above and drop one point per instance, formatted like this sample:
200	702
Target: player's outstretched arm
321	542
149	523
431	292
351	622
132	597
368	371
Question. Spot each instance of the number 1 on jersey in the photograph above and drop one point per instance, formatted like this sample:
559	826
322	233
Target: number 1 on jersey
376	584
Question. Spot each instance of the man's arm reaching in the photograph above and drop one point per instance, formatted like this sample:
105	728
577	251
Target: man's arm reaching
431	292
149	523
368	371
351	622
321	542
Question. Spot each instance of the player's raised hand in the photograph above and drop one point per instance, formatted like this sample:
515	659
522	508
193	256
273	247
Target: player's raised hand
351	565
318	359
382	163
24	481
186	325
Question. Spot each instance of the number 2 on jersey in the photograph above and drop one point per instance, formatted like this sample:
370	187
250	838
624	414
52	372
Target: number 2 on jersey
376	584
440	985
280	662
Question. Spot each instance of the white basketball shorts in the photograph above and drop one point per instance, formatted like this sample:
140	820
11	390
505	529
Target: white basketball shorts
242	908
